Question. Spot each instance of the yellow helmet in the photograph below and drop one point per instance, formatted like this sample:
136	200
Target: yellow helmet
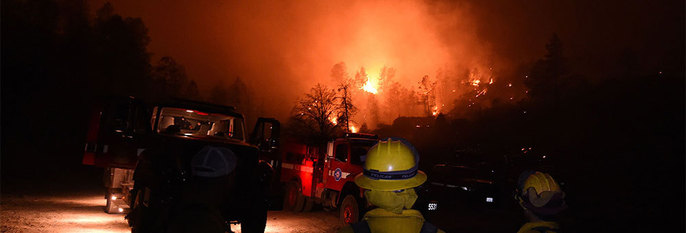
391	165
540	193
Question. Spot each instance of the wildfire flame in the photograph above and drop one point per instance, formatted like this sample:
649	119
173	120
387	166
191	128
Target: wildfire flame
476	82
482	92
371	85
353	129
435	111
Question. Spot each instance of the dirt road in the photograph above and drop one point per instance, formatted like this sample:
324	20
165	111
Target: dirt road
84	213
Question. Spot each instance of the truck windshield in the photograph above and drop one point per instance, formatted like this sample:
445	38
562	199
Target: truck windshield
195	123
359	149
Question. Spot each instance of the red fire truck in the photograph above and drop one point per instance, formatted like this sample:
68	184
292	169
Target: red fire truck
324	174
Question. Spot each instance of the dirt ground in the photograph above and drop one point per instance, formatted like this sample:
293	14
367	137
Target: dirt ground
84	213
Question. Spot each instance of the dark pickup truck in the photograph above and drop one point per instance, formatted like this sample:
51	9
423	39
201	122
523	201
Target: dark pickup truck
146	149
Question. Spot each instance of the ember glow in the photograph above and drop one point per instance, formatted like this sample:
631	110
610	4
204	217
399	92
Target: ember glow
353	129
435	111
476	82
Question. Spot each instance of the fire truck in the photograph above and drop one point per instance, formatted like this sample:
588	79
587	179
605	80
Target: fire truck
324	174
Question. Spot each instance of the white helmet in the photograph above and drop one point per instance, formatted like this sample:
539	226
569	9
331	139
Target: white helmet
213	161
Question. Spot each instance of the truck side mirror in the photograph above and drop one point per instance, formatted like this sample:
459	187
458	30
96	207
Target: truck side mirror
266	133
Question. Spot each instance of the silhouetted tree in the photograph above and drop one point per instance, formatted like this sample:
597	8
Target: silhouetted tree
313	114
171	77
191	91
339	73
360	78
238	93
58	59
121	60
219	95
346	106
427	94
364	128
546	76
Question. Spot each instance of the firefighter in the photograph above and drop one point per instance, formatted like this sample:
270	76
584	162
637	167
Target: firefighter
541	199
389	178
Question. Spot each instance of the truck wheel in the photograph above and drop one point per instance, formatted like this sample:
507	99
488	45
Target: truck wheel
350	210
255	220
135	217
309	202
294	199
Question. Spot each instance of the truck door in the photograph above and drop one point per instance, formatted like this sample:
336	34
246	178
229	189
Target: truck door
337	175
111	140
265	135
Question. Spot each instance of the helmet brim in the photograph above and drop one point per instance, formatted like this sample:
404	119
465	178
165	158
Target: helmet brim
390	185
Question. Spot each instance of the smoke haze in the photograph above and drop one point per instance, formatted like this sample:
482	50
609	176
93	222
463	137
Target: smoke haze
283	48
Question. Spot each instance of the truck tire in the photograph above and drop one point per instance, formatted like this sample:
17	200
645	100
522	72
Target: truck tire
309	203
135	216
350	210
256	220
294	200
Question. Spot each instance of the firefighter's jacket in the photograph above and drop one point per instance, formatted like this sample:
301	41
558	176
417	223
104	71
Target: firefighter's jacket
382	221
539	227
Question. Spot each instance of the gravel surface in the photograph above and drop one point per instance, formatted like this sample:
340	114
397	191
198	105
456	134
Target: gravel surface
81	213
84	213
316	221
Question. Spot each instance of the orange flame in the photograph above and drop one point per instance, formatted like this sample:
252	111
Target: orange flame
353	129
334	120
372	85
435	111
476	82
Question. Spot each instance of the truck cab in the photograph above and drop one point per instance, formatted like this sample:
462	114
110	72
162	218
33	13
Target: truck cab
345	158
